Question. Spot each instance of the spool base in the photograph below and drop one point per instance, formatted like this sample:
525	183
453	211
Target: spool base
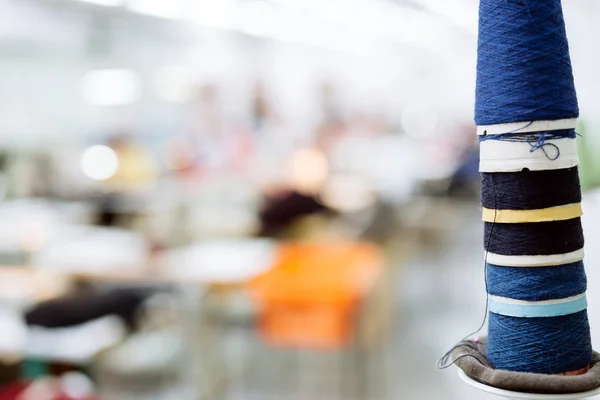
476	370
508	394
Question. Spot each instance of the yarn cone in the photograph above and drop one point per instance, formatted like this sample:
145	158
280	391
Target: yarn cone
526	111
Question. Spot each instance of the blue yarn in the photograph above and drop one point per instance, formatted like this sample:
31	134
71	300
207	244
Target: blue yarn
537	284
539	345
523	71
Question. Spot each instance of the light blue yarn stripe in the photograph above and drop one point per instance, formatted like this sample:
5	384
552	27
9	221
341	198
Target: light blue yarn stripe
537	310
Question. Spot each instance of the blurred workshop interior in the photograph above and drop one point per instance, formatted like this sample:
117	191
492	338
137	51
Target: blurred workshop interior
248	199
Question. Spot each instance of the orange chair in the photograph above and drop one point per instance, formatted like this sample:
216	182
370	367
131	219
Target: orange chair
311	296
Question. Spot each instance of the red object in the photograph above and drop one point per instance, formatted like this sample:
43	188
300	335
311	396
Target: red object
16	390
13	391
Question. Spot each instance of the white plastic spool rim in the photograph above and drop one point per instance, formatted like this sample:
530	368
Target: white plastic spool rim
507	394
503	156
527	126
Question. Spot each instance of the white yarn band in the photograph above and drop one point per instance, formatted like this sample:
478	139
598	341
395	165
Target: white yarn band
505	156
535	261
524	127
506	300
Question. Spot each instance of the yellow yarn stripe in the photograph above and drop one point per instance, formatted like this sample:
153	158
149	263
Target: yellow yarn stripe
559	213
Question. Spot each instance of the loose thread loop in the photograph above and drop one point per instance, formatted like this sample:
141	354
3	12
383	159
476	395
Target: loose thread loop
537	141
446	360
540	144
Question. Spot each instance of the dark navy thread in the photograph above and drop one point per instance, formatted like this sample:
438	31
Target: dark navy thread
531	190
535	239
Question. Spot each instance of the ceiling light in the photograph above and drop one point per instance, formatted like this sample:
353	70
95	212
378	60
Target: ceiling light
171	9
214	13
106	3
99	162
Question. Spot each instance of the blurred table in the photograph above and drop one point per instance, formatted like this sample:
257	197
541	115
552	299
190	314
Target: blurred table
29	225
220	261
310	295
20	288
122	257
94	250
58	251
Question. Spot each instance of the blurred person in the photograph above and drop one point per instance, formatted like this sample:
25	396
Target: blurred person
136	168
4	174
332	126
370	125
301	173
44	184
208	115
263	112
274	143
120	202
330	133
293	193
181	156
31	175
221	147
282	209
329	104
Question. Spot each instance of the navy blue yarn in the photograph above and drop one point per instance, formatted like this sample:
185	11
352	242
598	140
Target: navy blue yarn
530	190
523	70
534	239
537	141
531	137
539	345
537	284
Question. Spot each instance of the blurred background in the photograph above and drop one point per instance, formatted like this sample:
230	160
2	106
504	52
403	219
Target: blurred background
248	199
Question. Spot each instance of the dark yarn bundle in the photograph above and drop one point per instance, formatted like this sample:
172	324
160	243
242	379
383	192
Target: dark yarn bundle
537	321
87	306
530	190
538	238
